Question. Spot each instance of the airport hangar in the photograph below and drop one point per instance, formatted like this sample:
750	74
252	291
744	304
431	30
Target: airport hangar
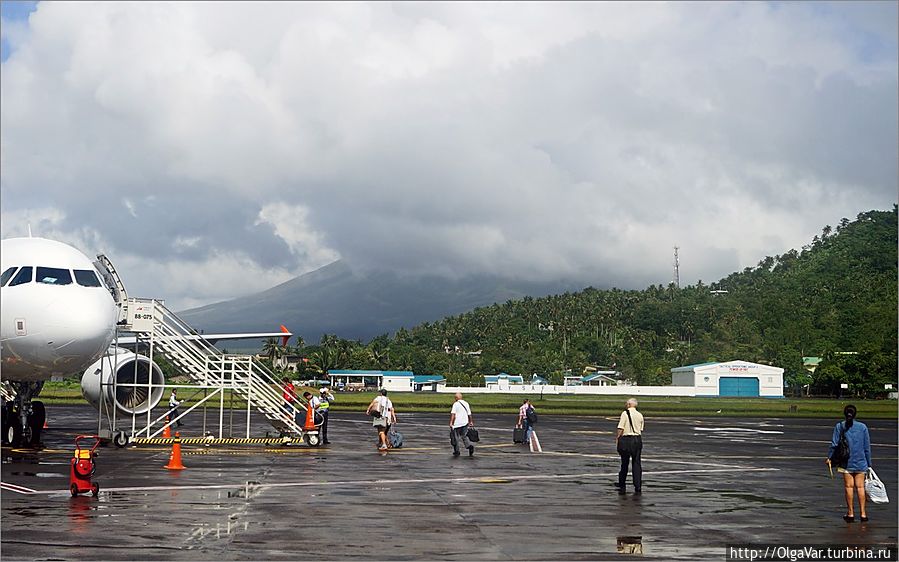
732	378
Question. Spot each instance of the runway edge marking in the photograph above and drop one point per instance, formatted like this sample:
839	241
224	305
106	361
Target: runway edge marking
18	489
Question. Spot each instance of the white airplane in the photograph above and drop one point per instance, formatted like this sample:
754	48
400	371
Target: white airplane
57	318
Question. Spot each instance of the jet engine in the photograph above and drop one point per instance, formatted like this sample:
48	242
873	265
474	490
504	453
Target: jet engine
138	382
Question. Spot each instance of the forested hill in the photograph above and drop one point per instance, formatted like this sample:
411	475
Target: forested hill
837	294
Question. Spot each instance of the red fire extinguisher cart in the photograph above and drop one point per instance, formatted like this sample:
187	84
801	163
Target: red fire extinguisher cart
83	466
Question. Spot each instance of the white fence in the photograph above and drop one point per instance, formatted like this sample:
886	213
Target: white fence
531	389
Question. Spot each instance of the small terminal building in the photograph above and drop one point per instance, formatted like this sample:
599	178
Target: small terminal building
372	380
732	378
502	381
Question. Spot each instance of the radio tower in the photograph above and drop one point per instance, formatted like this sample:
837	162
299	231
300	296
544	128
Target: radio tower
676	269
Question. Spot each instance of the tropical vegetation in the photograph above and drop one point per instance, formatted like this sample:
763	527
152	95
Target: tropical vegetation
835	298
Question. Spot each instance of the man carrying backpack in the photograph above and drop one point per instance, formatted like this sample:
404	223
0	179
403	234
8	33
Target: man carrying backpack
527	417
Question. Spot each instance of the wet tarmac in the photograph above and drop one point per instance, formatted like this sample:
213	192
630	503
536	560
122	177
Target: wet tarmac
708	483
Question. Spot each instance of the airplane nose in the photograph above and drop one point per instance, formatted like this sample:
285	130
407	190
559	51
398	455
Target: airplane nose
85	327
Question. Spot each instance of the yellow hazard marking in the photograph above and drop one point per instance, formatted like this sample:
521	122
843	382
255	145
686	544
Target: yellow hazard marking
247	453
213	441
494	480
51	451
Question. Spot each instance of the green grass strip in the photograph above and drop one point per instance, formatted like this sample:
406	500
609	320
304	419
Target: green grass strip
67	394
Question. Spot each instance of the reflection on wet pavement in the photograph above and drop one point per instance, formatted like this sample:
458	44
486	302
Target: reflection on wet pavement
630	545
700	493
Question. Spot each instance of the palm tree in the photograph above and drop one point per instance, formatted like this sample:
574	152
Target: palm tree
270	348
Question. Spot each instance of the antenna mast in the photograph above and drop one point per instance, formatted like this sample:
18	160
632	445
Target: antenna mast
676	269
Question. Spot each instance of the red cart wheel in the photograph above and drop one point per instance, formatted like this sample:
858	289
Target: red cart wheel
74	490
95	489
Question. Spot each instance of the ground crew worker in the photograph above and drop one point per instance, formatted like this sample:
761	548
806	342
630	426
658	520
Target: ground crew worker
173	406
324	404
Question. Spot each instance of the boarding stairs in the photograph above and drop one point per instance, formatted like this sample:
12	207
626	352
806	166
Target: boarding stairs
7	392
208	366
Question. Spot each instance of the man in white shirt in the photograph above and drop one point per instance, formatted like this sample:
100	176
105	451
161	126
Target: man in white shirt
629	442
460	419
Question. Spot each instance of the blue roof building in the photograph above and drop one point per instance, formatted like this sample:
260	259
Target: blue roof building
503	380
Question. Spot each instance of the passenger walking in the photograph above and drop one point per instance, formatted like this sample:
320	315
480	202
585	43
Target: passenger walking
173	406
289	394
381	408
853	467
629	442
324	406
525	414
460	420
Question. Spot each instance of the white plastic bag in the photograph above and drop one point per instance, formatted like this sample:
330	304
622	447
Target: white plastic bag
874	488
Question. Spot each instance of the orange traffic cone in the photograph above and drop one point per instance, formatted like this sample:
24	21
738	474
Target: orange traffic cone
46	417
167	431
175	458
310	422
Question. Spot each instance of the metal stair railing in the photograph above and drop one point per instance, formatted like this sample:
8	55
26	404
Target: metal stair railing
248	378
206	364
7	392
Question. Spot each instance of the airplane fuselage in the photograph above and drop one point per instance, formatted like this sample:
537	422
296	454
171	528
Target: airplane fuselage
56	315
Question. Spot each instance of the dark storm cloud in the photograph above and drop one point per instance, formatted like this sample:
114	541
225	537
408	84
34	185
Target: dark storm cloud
581	141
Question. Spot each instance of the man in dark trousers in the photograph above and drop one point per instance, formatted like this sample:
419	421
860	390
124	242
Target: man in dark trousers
325	400
629	443
460	420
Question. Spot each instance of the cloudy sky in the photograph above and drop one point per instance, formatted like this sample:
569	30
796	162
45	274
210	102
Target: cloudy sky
216	149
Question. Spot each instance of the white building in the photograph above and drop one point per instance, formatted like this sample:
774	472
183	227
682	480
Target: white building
733	378
400	381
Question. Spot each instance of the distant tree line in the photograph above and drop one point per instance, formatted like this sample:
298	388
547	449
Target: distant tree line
837	294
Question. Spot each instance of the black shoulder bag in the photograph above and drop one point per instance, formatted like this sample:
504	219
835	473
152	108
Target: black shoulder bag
472	432
840	456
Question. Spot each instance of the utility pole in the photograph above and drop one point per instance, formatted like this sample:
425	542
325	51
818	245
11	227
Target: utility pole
676	269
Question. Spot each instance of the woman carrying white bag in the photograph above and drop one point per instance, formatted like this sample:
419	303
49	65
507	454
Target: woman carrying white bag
874	488
853	463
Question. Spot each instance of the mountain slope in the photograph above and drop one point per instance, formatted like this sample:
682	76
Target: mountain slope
335	299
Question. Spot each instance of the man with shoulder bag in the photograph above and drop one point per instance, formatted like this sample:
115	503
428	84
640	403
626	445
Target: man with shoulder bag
460	421
629	442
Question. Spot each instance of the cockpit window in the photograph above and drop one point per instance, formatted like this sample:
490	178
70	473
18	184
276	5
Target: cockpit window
87	278
54	276
22	277
6	275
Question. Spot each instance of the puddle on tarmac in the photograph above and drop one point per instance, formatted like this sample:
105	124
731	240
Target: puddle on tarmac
40	474
754	498
249	490
629	545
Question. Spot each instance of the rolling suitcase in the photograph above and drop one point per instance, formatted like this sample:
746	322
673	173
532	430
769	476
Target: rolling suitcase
396	438
518	435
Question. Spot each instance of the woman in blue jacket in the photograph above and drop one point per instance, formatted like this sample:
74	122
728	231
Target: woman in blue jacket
858	463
